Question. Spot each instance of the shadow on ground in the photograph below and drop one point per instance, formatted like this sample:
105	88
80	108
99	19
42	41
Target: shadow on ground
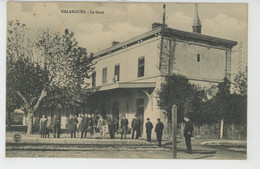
203	151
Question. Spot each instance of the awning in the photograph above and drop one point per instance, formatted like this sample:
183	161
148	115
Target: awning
126	85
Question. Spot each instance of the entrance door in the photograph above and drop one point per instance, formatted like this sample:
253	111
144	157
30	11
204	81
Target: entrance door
140	111
103	110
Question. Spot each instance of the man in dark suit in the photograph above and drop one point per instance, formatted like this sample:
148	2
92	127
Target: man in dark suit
111	121
159	131
124	126
91	125
85	123
55	126
72	125
188	129
136	127
149	127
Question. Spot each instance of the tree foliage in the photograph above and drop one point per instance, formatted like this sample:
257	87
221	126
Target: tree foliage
240	83
232	108
18	42
177	90
68	64
203	106
60	70
27	79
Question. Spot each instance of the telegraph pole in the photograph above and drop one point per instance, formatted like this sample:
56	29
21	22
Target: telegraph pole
162	37
167	71
174	131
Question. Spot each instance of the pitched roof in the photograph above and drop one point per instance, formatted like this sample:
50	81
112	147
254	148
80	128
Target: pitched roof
169	32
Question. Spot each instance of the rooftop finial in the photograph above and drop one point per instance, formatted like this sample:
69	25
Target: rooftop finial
196	22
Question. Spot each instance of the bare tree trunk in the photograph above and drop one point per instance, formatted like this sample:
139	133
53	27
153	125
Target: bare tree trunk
8	119
31	109
221	128
30	123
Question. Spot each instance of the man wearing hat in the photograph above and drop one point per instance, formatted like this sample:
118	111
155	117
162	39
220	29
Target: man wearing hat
72	125
149	127
136	127
124	126
188	129
55	123
159	131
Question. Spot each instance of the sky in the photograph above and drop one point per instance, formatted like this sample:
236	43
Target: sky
122	21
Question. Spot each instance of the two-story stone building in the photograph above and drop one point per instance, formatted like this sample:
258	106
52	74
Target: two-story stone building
128	73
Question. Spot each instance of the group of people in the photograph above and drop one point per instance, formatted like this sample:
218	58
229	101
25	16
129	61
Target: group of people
108	124
136	128
81	124
188	130
87	123
47	125
158	129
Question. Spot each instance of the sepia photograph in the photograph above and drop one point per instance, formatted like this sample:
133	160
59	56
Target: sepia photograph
126	80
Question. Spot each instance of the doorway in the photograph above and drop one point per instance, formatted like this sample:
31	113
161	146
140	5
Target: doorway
140	111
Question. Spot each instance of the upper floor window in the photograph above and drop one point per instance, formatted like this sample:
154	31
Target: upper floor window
198	57
104	76
94	79
140	66
117	73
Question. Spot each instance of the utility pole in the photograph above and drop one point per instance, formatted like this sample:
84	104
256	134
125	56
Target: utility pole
165	68
162	38
174	131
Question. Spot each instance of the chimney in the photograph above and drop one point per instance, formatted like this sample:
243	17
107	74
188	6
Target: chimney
196	22
114	43
156	25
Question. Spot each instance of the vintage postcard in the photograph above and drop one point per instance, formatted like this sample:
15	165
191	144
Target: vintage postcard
129	80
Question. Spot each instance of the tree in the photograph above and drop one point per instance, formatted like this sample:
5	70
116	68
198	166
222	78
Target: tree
177	90
240	83
221	104
12	103
68	65
239	98
19	50
65	65
24	83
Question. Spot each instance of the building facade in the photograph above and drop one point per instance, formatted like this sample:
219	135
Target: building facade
128	74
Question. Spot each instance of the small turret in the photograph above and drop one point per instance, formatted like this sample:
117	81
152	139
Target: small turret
196	22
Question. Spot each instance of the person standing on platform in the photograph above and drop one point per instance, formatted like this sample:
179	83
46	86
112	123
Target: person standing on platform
188	129
149	127
111	126
55	126
136	127
58	128
85	126
102	126
80	125
91	125
43	126
48	128
159	131
72	125
76	125
124	126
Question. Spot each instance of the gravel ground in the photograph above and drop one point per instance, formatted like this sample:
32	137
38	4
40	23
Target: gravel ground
35	147
219	155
